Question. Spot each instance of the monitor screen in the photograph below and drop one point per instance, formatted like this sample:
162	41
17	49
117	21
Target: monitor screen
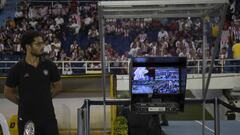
155	80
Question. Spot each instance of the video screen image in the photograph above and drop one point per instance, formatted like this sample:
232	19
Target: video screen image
155	80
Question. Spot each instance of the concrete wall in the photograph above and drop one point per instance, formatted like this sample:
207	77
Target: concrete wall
66	112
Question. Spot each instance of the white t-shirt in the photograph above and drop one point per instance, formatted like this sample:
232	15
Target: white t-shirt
57	47
87	21
18	14
47	49
162	34
59	21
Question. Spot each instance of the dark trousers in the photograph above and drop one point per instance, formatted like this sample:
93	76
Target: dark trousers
143	124
42	127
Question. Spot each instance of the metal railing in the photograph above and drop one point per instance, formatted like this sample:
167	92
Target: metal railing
122	67
84	112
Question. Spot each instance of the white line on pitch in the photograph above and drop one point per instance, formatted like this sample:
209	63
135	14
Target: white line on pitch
199	122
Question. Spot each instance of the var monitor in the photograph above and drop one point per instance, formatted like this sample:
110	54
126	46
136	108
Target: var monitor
158	84
157	80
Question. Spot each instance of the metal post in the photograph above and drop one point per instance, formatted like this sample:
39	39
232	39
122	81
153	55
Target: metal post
216	43
216	47
103	61
198	66
81	121
87	118
86	68
109	66
216	118
203	74
63	68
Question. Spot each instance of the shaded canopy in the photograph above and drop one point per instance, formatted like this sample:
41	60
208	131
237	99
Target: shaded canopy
161	8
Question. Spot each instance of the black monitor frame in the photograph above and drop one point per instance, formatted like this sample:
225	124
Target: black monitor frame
176	62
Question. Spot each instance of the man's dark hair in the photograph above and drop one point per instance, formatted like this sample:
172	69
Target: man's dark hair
28	38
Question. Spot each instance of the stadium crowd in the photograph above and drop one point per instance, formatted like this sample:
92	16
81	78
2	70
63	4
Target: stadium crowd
71	33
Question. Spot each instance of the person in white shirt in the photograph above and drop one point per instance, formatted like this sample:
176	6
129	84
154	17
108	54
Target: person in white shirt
18	14
162	34
56	45
142	36
32	13
47	48
74	46
93	33
33	23
59	20
43	11
76	27
87	20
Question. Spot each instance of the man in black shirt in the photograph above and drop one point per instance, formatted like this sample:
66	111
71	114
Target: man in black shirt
37	81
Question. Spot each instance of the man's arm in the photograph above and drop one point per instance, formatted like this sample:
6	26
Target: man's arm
10	94
56	88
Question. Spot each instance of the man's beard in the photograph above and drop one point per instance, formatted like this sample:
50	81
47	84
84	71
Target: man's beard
36	55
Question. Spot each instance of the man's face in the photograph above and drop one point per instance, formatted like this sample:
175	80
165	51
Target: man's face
36	49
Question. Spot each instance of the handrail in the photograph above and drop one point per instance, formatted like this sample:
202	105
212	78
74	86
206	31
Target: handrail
84	112
79	67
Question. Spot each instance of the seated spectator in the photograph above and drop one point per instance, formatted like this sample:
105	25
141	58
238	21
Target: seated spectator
74	26
18	15
142	36
162	34
56	46
88	20
18	51
183	53
8	47
57	7
43	11
47	49
73	46
10	23
93	33
33	13
33	23
59	20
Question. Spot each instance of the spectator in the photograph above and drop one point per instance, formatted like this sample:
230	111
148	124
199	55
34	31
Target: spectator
10	23
73	46
18	15
56	46
47	48
142	36
88	20
93	33
59	20
74	26
33	23
162	34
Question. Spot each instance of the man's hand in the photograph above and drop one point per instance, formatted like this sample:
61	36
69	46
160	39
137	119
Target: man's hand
56	88
10	94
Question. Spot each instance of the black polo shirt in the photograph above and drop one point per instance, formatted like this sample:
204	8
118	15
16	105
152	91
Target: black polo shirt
34	88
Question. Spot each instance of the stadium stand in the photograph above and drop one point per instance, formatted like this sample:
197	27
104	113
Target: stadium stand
72	34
